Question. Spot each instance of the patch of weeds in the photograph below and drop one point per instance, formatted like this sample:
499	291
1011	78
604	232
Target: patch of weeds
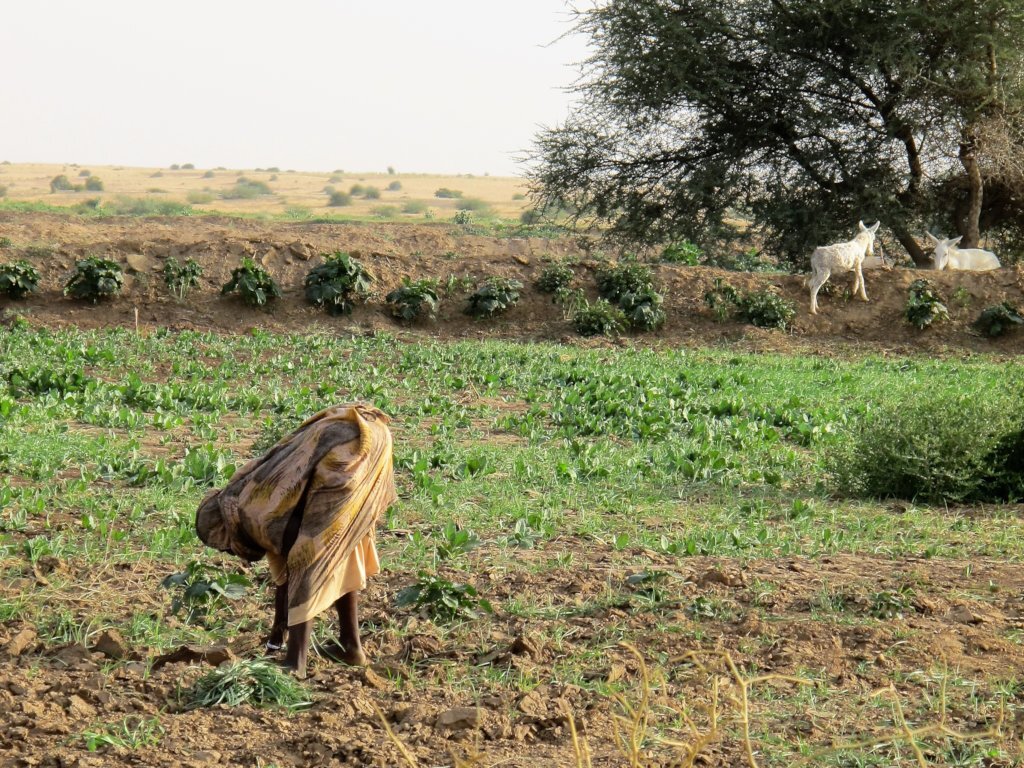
130	733
892	603
649	585
253	282
450	194
462	218
413	300
201	589
616	280
453	541
247	189
722	299
338	283
455	284
338	199
494	296
924	305
443	600
258	682
996	320
95	279
962	297
683	252
704	607
181	278
643	310
554	278
598	319
18	279
766	309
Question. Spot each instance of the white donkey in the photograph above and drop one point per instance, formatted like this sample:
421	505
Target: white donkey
947	256
842	257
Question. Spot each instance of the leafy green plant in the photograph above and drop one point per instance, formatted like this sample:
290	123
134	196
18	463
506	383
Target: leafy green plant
494	296
338	283
454	541
414	299
257	681
130	733
766	309
18	279
443	600
924	305
6	242
722	299
95	279
996	320
462	218
201	589
683	252
892	603
339	199
616	280
598	319
253	282
180	278
643	309
554	278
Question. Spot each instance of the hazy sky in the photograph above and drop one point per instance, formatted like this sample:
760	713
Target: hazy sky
451	86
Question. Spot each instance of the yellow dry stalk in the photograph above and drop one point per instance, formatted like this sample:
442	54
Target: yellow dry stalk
580	748
407	756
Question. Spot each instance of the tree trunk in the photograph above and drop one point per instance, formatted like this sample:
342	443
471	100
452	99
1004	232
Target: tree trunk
970	226
921	259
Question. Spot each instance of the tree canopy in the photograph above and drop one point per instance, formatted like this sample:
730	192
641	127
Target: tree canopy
801	116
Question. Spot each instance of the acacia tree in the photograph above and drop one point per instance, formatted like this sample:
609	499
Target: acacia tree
804	116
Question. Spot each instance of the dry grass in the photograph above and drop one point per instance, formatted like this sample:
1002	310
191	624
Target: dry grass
31	182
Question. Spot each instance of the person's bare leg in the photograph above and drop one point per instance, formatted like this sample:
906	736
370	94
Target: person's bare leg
298	647
279	630
350	649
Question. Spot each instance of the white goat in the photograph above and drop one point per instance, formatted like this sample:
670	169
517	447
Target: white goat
842	257
947	255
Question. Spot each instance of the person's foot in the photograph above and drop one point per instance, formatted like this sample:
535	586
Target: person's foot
335	651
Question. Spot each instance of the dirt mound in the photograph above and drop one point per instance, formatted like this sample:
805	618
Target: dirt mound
394	251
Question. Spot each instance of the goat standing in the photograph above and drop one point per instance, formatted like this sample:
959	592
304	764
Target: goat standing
842	257
947	255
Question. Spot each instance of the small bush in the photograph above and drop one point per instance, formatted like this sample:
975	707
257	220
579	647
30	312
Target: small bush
339	199
95	279
385	211
188	167
616	280
6	242
247	189
518	196
391	170
413	300
258	682
924	306
181	278
357	190
414	206
494	296
253	282
335	179
394	186
598	319
445	193
209	175
996	320
530	216
683	252
462	218
766	309
18	279
555	278
371	193
195	197
950	449
474	204
336	284
722	299
94	184
157	175
147	206
3	190
643	310
84	174
60	183
175	167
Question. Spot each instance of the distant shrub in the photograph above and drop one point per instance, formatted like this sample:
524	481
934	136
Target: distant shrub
414	206
643	310
85	174
157	175
391	170
444	192
18	279
357	190
253	282
518	196
209	175
598	319
338	283
298	213
766	309
60	183
924	305
3	190
414	300
474	204
199	198
531	216
247	189
385	211
273	169
462	218
371	193
156	191
273	177
494	296
554	278
188	167
616	280
335	179
95	279
94	184
683	252
175	167
181	278
339	199
6	242
996	320
147	206
951	449
394	186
